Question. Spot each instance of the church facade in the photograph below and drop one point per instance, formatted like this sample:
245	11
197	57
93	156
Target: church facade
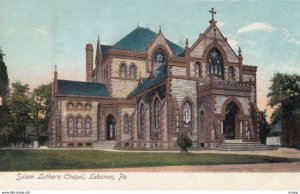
144	90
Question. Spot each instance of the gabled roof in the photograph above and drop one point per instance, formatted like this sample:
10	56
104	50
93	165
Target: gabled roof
149	82
81	88
104	49
140	39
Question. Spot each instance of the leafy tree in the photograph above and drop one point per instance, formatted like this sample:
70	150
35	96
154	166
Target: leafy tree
184	142
285	96
5	129
20	108
264	127
3	78
41	107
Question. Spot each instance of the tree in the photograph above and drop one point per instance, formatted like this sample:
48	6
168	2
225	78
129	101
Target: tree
285	96
41	107
5	129
20	108
3	78
264	127
184	142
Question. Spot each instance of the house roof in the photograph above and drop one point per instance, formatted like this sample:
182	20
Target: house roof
139	40
149	82
105	48
81	88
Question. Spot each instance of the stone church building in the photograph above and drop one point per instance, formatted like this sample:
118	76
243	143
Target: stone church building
144	90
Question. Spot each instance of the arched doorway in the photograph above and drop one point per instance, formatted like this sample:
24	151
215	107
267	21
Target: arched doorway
110	128
230	123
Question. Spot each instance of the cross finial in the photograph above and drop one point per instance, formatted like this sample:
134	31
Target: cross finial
186	42
212	14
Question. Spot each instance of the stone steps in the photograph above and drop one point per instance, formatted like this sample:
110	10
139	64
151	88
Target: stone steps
245	146
105	144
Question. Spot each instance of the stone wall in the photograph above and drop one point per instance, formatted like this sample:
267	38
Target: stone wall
122	87
181	90
231	56
65	112
198	51
126	136
248	77
243	100
116	62
181	71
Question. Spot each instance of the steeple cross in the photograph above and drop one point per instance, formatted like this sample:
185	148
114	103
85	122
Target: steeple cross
212	13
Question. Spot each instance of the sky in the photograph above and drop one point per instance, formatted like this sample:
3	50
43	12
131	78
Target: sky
35	35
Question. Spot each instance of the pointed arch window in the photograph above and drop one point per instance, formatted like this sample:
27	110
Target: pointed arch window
123	70
215	64
79	105
70	105
159	59
79	125
187	113
70	125
126	124
142	121
197	69
88	125
156	113
132	72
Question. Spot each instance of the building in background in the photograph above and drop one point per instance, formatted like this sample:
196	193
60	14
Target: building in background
144	90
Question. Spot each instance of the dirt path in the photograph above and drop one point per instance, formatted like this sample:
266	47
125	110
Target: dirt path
267	167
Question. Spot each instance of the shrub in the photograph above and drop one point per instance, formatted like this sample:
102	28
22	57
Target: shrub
184	142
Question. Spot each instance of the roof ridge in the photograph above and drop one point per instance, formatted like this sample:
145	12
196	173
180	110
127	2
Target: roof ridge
80	81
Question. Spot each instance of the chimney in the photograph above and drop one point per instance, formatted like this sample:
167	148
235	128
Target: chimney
89	62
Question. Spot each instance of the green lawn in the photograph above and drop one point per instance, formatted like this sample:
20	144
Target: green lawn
15	160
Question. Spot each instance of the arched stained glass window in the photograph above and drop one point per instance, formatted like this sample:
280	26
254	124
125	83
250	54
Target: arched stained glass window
88	125
187	113
123	70
79	126
142	121
156	113
126	124
215	64
159	60
132	72
70	125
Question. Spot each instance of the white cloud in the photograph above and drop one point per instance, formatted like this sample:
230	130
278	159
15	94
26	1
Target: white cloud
220	24
40	31
289	38
233	43
257	26
32	30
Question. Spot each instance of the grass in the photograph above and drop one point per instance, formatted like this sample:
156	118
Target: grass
20	160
